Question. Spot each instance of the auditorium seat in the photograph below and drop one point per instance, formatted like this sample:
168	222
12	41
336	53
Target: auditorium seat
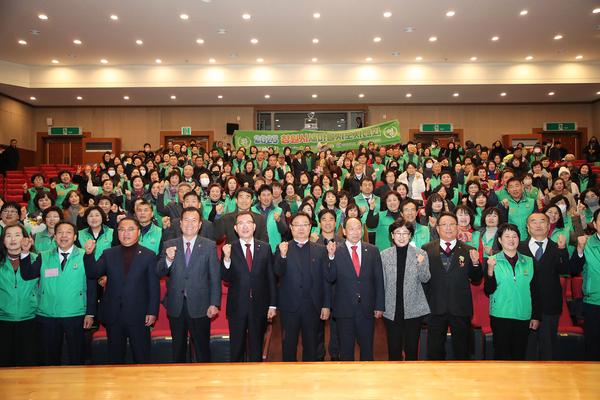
482	334
576	304
570	344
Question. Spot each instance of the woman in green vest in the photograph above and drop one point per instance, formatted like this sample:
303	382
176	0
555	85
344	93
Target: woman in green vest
331	202
292	198
96	230
480	204
316	191
346	170
491	219
585	179
588	206
587	260
304	185
307	208
29	194
558	227
44	240
381	221
63	187
210	203
231	186
514	299
34	222
18	303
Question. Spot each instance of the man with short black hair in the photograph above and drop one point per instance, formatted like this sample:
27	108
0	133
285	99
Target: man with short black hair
224	223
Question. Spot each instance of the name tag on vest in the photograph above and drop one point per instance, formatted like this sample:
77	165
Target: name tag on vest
51	273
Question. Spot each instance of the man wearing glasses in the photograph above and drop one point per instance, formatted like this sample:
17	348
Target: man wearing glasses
453	266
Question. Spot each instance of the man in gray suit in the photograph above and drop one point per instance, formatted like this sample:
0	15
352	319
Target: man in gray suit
194	286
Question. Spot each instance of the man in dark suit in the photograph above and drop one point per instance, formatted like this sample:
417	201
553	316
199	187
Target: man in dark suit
299	165
550	260
194	286
304	296
357	278
172	226
132	294
224	223
247	267
453	266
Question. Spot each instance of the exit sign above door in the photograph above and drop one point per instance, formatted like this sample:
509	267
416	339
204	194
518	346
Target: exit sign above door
560	126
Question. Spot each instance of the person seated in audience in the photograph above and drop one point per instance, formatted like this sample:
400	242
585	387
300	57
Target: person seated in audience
63	187
73	209
34	222
29	194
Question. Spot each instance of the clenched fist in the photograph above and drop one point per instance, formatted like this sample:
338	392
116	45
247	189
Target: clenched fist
283	248
89	246
226	252
491	264
331	246
474	255
561	241
170	253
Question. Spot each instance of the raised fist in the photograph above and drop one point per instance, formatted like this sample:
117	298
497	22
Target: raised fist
89	246
283	248
227	252
170	252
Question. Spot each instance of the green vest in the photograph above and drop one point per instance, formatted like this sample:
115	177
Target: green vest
583	183
18	297
61	192
378	168
31	206
43	241
207	208
62	293
421	236
566	233
512	298
151	240
502	194
486	243
237	166
361	202
435	152
230	204
518	213
382	232
591	271
533	193
414	158
434	182
104	241
477	218
272	230
343	177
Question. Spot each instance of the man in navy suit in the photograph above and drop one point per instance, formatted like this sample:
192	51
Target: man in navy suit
132	294
357	275
247	267
304	297
194	286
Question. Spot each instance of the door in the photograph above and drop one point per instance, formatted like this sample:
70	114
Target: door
570	141
63	151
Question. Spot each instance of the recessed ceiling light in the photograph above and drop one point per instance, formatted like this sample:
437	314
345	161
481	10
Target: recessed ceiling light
246	16
43	17
387	14
139	42
314	59
259	60
55	61
212	60
158	61
125	97
114	17
184	17
551	93
314	96
361	95
79	98
77	41
524	12
419	58
408	95
220	96
33	97
433	39
221	31
596	11
22	42
450	13
578	57
104	61
598	93
369	59
377	39
173	97
558	37
267	96
254	40
455	94
316	15
503	94
315	40
495	38
473	58
200	41
529	58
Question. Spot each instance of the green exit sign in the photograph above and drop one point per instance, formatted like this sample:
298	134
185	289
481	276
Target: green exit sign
65	130
560	126
436	128
186	131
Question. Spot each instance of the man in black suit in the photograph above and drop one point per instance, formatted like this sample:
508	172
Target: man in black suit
304	296
298	165
357	278
172	226
132	294
550	260
224	223
247	267
453	266
194	286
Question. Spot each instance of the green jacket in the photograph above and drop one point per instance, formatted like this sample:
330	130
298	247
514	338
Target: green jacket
104	240
361	202
421	236
18	298
591	271
512	297
43	241
518	211
151	240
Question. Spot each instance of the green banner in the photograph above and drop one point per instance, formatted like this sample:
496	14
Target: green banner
382	134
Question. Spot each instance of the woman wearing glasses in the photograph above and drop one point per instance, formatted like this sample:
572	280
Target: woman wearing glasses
405	269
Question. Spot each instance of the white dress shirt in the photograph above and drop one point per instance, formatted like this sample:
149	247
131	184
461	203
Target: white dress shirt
243	246
358	250
533	247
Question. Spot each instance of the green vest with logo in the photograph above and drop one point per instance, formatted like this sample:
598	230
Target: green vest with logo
512	298
518	211
151	240
61	192
18	297
104	241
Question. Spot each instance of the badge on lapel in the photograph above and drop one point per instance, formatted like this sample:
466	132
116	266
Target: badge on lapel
75	266
461	261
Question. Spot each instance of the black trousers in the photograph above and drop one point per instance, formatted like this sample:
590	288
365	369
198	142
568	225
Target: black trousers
53	331
542	343
334	341
403	335
246	337
19	343
591	331
438	330
199	329
305	322
510	338
358	329
139	342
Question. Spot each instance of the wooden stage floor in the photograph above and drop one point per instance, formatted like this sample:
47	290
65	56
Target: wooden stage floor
279	381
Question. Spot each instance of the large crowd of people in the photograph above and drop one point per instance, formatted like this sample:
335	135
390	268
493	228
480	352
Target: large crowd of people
396	232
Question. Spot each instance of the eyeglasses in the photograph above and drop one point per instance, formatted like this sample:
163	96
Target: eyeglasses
10	212
128	230
401	233
448	225
300	225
